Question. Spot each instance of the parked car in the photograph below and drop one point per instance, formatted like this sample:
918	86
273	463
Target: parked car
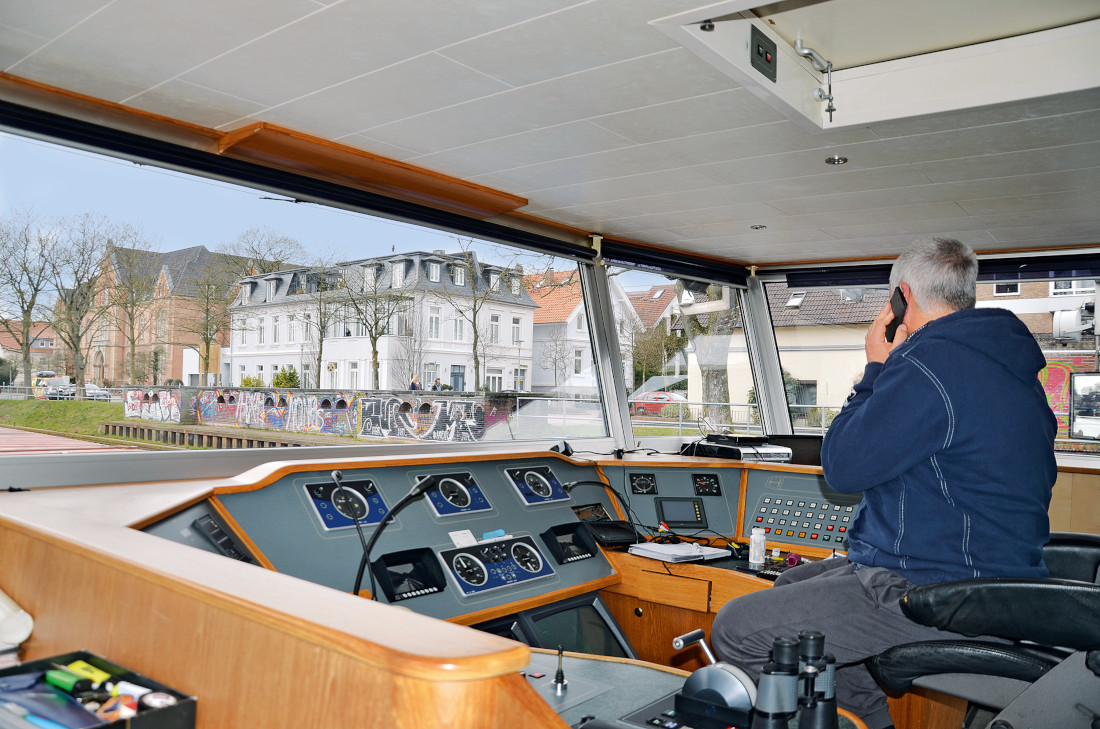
651	403
93	391
59	388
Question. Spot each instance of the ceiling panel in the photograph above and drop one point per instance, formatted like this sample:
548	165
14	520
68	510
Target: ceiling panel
598	119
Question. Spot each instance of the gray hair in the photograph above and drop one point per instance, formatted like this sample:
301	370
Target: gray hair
939	271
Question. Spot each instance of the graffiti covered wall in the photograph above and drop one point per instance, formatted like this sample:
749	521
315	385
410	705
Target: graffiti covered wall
427	417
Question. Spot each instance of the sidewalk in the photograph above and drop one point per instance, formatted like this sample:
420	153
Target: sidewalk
22	442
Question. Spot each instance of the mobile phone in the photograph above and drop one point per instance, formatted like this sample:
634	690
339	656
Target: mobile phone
898	304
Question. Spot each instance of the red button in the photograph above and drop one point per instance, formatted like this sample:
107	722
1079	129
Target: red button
829	528
844	529
760	518
813	536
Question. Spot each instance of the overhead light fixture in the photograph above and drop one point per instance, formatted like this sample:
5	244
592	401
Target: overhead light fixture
759	226
836	159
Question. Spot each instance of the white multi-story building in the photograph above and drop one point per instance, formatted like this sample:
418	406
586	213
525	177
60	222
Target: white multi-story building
425	312
563	344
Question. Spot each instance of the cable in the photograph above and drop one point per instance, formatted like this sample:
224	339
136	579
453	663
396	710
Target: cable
420	488
631	517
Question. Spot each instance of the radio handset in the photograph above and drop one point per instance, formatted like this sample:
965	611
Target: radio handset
898	304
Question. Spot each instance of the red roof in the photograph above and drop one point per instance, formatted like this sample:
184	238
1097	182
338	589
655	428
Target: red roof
653	304
557	293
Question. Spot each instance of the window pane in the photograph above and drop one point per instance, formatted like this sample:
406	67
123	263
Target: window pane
683	354
397	300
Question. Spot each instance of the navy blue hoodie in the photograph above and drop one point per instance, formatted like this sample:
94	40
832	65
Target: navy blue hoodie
951	441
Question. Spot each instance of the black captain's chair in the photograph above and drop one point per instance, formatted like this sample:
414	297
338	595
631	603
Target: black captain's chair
1047	675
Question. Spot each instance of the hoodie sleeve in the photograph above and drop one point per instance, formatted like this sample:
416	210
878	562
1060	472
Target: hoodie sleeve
897	416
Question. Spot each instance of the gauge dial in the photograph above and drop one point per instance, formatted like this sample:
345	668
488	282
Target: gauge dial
454	492
643	483
349	503
470	569
538	483
527	557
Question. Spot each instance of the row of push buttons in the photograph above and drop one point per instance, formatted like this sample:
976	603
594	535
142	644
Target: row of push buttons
772	511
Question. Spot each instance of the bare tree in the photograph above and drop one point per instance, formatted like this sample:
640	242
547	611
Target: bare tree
24	278
133	273
212	288
652	351
482	284
263	250
556	352
374	304
76	269
409	350
324	300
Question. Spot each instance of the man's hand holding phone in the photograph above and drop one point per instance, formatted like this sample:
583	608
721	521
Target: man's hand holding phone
887	330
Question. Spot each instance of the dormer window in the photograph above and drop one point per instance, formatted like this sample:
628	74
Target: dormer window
271	286
398	274
515	286
494	281
460	276
369	278
433	272
795	300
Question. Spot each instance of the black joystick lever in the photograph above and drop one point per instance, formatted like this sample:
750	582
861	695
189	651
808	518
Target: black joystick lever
559	676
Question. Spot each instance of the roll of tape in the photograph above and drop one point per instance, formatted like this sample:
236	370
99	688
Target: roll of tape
15	627
157	700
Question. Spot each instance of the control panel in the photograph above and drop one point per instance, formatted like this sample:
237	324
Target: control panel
487	534
339	506
491	566
537	485
687	501
798	508
457	493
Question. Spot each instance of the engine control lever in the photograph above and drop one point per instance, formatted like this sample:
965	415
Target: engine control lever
681	642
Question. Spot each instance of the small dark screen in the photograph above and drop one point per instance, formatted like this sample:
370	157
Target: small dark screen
679	511
409	576
579	629
570	548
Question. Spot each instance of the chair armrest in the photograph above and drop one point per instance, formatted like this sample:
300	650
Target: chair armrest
1049	612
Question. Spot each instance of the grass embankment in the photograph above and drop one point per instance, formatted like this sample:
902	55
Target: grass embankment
62	416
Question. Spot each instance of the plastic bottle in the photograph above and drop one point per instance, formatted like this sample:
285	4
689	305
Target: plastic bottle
756	547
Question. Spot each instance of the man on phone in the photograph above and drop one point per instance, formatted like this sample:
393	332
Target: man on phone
950	441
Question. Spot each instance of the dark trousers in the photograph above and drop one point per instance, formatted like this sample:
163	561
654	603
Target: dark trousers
858	610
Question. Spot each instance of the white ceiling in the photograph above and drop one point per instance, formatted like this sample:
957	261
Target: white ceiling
597	118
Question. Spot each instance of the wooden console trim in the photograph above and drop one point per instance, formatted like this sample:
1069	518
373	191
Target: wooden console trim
285	149
257	478
532	602
241	534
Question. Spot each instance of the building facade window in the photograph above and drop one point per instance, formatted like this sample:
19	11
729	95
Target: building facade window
435	316
521	378
578	361
517	330
1006	289
291	329
494	281
398	274
494	328
458	377
307	375
494	379
260	374
242	373
1070	288
333	375
271	290
460	276
515	285
460	330
260	331
274	330
433	272
431	371
353	376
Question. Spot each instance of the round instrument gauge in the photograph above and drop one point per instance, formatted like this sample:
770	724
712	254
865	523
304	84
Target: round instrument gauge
470	569
538	483
527	557
454	493
349	503
643	483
